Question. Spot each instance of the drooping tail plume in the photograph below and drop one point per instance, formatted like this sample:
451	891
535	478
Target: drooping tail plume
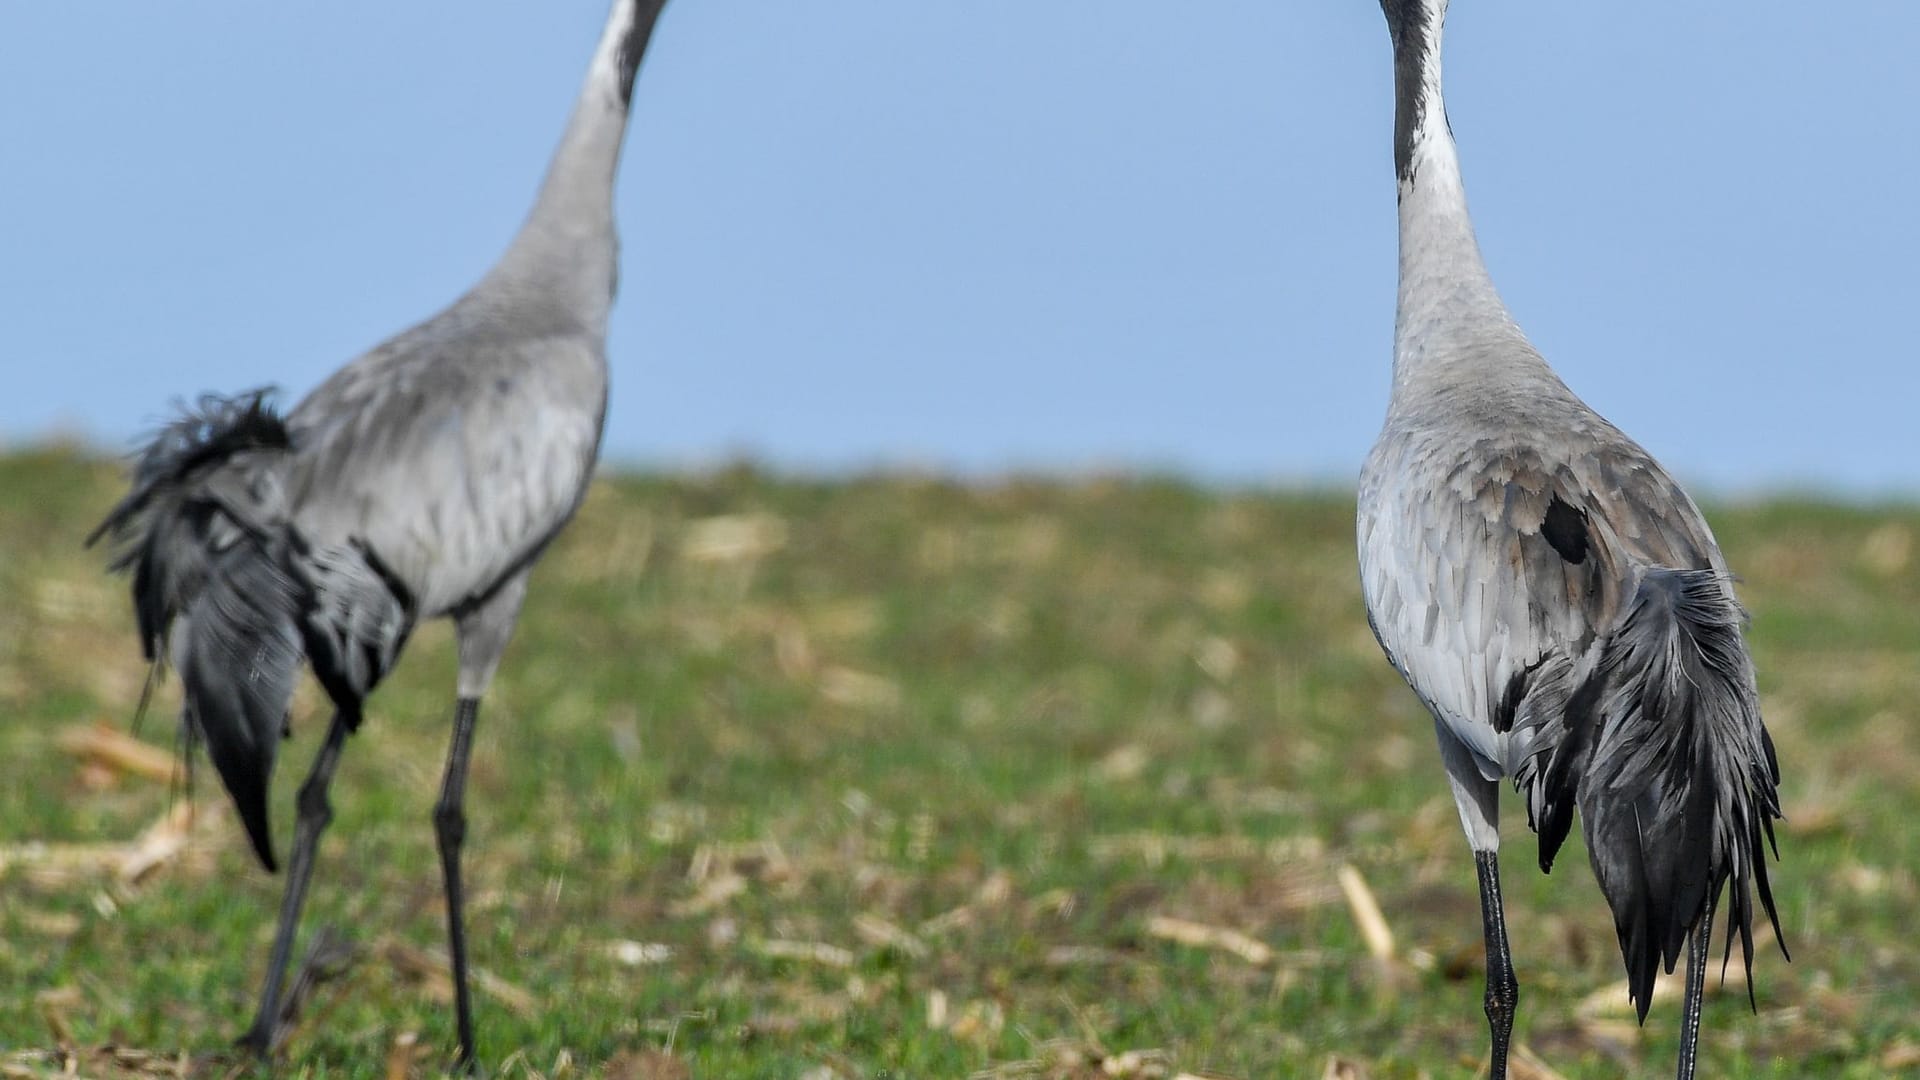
183	483
204	532
1680	790
241	651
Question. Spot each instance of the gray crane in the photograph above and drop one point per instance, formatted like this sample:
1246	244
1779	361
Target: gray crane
1555	600
421	480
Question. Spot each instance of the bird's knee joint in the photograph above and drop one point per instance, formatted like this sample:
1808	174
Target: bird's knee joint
450	825
1502	1001
314	806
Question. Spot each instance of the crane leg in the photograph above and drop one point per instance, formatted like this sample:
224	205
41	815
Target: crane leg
1696	987
1503	990
315	814
450	828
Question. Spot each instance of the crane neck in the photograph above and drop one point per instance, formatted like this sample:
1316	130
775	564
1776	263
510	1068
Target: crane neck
565	257
1448	310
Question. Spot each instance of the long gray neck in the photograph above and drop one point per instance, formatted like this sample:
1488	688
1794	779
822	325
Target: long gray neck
1448	311
564	260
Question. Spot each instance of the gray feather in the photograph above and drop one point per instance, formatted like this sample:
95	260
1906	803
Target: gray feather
1552	596
422	479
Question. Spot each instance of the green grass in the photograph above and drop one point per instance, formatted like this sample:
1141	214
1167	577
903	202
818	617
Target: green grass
901	773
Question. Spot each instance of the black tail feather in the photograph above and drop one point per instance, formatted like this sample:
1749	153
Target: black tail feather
203	532
266	606
211	434
1551	776
1679	790
178	512
241	654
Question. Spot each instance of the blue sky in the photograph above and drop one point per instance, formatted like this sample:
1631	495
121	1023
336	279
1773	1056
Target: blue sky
987	234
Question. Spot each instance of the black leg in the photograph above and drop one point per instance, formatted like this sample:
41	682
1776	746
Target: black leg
1503	990
315	814
450	827
1696	987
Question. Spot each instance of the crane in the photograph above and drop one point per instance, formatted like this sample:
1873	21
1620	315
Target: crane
422	480
1555	600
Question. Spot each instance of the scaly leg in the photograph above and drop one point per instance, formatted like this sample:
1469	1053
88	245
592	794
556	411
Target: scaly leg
1503	990
315	814
1696	987
450	828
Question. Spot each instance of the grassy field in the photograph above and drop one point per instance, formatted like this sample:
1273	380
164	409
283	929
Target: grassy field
895	777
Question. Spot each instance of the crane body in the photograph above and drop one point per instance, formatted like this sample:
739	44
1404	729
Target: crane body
421	480
1555	600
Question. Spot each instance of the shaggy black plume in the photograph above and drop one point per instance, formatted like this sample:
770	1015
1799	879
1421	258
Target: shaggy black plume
1679	787
218	429
161	526
204	532
241	656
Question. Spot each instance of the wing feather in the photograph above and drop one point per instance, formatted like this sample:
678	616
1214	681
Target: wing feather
455	471
1495	591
